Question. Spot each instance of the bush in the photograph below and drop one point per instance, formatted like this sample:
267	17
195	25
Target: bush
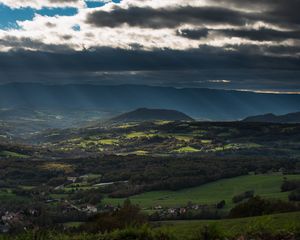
221	204
210	232
295	195
127	216
144	233
290	185
242	196
257	207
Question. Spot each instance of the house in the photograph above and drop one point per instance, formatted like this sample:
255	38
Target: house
158	207
195	207
91	209
182	210
10	218
172	210
72	179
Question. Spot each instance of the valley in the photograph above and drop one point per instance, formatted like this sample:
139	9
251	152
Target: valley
172	170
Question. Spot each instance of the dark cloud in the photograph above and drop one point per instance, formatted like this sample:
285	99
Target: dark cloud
248	66
108	59
282	13
244	68
262	34
270	5
173	17
279	12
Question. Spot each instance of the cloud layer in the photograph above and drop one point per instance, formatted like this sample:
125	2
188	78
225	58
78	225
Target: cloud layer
151	36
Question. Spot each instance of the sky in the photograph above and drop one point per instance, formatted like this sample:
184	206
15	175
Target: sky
250	45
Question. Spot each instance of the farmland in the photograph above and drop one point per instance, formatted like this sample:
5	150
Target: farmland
170	170
233	227
267	186
176	138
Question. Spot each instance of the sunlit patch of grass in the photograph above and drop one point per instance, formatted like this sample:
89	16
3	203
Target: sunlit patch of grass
66	149
108	141
67	168
183	137
75	140
127	125
236	146
12	154
140	152
187	149
162	122
204	141
98	143
139	134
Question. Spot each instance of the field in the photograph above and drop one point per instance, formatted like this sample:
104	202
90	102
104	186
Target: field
12	154
172	170
267	186
176	138
273	223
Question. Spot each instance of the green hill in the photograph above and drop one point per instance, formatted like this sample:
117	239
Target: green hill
232	227
146	114
267	186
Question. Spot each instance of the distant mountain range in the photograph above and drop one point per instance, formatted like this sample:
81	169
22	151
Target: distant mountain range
272	118
200	104
146	114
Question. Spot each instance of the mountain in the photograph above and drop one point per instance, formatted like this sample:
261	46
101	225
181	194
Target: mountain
146	114
272	118
199	103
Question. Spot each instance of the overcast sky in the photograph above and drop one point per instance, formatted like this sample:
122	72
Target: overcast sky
227	44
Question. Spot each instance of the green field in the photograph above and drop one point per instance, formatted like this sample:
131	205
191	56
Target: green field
12	154
187	150
7	195
273	223
267	186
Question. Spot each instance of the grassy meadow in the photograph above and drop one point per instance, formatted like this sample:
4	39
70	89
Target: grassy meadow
232	227
265	185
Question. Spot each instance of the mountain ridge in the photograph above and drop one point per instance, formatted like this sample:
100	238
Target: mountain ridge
272	118
199	103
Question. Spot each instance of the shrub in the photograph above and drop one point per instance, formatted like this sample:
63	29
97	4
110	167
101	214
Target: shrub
242	196
289	185
257	206
221	204
144	233
210	232
295	195
127	216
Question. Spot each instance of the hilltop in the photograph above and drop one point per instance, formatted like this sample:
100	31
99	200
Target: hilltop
272	118
146	114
